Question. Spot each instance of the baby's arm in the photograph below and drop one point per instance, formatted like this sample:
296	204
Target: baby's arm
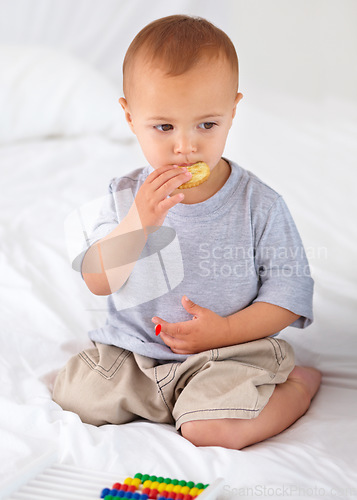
208	330
109	262
258	320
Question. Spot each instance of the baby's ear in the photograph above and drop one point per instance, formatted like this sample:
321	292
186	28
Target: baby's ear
239	96
124	104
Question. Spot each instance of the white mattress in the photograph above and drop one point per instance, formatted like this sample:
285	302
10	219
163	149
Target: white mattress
46	309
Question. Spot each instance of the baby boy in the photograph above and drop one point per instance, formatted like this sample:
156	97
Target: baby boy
216	368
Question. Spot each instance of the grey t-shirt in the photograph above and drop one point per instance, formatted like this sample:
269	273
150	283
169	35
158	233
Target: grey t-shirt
238	247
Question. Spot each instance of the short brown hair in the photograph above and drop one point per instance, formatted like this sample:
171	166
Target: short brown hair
176	43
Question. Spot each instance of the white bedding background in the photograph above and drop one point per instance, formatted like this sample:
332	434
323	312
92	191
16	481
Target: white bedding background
63	137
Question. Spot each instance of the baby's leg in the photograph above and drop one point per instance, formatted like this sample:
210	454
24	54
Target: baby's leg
109	385
288	403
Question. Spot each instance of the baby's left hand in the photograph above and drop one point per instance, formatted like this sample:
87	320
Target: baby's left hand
207	330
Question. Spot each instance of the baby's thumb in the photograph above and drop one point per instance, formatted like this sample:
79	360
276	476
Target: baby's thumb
190	306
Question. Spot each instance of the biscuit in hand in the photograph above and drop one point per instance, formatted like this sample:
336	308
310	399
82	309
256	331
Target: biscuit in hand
200	172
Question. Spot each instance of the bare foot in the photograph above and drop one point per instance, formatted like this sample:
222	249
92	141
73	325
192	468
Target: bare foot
308	378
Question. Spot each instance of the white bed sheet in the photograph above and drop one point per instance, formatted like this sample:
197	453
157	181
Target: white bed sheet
46	312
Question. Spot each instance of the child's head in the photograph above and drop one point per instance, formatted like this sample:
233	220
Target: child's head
175	44
180	77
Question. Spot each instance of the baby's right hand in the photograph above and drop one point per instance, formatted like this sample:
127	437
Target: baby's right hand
152	201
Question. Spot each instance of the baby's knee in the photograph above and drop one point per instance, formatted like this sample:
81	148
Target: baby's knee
70	391
66	388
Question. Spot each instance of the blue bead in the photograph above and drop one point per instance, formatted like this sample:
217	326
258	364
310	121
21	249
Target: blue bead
105	492
136	496
114	492
128	494
144	496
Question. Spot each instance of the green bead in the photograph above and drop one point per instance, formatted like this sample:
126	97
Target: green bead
138	475
182	483
153	478
190	484
145	477
199	486
175	482
160	479
206	486
167	480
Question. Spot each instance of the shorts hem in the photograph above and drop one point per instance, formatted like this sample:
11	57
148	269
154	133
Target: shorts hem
220	413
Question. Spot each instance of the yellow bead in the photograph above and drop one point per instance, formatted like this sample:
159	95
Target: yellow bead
136	481
194	492
162	487
128	481
200	491
177	489
169	487
154	485
185	490
147	484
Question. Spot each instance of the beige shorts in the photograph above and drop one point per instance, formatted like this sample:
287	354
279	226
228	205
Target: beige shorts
107	384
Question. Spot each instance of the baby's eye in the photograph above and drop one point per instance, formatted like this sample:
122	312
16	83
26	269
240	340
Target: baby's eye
164	127
207	125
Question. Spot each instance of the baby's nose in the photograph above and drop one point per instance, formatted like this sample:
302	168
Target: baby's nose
185	144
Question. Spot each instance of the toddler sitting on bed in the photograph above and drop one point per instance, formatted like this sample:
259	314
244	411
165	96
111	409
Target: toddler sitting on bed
234	269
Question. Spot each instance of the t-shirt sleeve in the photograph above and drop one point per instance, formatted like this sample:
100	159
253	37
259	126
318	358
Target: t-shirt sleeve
99	222
282	265
107	219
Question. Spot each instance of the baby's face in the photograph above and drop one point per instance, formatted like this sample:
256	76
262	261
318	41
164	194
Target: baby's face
180	120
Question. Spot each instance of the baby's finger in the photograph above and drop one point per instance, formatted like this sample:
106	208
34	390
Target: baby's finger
176	345
176	330
172	182
159	171
170	179
171	201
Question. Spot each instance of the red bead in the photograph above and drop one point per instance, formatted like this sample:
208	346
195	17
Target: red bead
146	491
187	497
124	487
153	493
116	486
132	488
179	496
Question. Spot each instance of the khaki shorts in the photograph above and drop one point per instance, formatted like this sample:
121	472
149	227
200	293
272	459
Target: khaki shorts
107	384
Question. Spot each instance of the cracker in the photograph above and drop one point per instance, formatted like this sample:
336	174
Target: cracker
200	172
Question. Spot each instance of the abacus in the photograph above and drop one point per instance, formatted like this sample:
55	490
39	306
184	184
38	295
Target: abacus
147	487
44	478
